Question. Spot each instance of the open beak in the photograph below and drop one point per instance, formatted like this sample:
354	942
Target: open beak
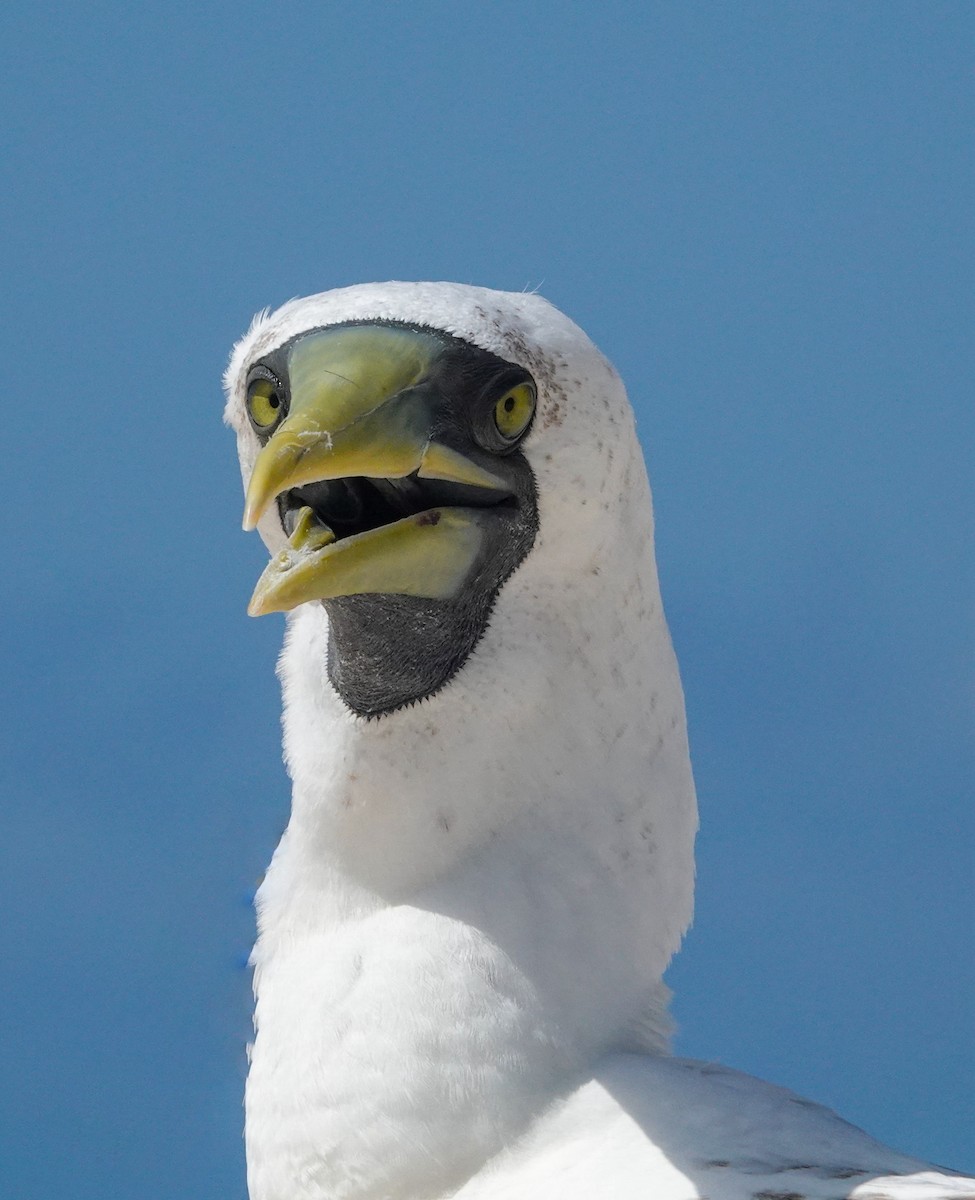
359	410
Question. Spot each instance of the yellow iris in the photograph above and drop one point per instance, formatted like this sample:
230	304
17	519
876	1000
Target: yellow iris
514	410
263	403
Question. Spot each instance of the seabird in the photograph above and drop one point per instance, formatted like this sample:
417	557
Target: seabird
489	861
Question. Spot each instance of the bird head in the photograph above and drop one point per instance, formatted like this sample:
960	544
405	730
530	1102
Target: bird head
406	449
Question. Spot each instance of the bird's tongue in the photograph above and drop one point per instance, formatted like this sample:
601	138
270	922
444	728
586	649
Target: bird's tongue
427	554
310	533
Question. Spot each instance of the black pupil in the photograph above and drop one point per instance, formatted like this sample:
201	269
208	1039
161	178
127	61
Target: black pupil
509	404
273	400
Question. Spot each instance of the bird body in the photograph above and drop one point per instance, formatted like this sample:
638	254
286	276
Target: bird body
661	1128
489	862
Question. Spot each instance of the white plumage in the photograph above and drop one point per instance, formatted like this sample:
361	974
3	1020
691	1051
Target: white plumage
463	931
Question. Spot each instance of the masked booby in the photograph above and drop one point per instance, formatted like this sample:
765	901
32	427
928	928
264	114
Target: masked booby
489	861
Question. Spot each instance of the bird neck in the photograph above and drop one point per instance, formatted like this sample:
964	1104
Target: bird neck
474	898
501	804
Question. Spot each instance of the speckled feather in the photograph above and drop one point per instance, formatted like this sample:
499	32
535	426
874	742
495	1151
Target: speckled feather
469	915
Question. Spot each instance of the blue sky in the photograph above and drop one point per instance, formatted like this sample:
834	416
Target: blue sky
762	213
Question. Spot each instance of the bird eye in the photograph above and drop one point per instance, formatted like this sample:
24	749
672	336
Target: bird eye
264	404
514	411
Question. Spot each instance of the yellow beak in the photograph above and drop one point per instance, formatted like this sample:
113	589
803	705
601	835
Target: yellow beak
356	410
